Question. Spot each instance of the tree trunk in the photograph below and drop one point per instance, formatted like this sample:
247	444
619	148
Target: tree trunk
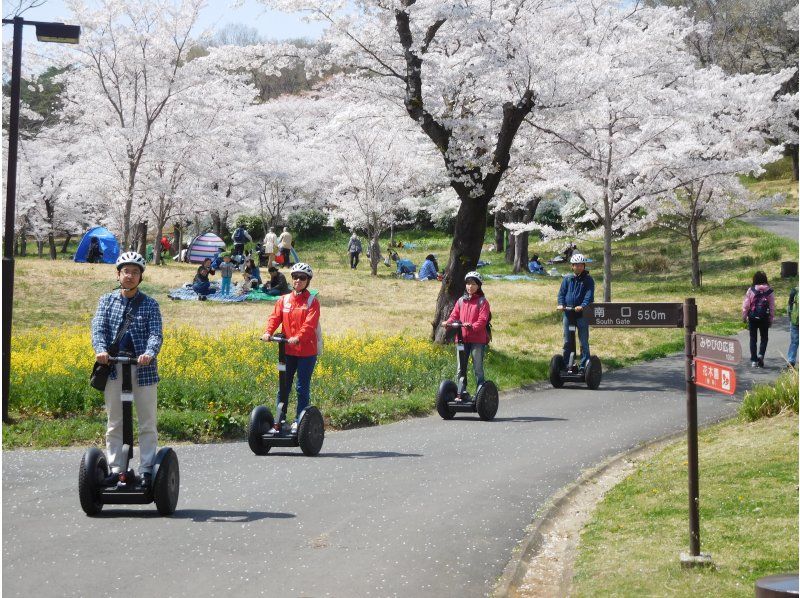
607	232
141	235
51	241
40	247
511	247
374	254
520	252
216	224
126	214
695	244
499	232
66	243
465	250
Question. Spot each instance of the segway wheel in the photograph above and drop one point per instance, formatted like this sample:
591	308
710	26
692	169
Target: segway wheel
94	468
594	372
556	367
447	392
311	432
167	483
261	421
486	400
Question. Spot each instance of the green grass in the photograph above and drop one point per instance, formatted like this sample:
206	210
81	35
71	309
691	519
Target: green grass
748	517
767	400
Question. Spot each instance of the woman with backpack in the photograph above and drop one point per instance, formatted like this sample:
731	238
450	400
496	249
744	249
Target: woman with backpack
758	311
473	311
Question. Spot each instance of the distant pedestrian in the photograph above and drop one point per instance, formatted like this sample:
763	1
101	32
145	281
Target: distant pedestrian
240	237
758	311
791	355
354	248
270	246
285	246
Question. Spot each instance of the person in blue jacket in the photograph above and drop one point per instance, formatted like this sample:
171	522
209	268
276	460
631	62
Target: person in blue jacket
577	290
535	266
429	269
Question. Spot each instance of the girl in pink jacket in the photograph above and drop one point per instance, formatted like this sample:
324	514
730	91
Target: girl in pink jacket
758	311
473	311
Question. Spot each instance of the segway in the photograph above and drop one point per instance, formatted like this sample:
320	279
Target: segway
310	428
453	398
128	490
571	371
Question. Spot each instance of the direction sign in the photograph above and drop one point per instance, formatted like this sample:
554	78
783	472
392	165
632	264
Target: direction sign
714	376
635	315
717	348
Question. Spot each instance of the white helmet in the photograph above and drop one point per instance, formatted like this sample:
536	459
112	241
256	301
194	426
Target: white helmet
476	275
302	268
578	258
130	257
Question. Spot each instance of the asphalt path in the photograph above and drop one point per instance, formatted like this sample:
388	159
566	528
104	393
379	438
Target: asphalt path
783	226
423	507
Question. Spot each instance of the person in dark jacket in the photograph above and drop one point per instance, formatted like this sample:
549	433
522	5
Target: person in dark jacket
201	285
354	249
276	285
95	253
577	290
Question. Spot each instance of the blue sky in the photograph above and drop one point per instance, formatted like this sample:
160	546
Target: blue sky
272	25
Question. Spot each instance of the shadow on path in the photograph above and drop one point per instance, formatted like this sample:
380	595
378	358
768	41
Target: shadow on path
360	455
198	515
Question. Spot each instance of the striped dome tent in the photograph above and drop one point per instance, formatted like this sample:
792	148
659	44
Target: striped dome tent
204	246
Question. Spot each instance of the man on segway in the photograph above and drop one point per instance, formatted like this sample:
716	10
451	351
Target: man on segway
298	316
141	337
577	291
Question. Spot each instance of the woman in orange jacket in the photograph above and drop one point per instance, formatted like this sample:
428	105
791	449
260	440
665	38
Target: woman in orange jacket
298	316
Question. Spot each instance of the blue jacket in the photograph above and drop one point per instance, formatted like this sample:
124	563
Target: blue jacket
576	290
405	267
428	271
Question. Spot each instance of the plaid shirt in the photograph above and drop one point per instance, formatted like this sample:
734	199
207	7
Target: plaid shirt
145	330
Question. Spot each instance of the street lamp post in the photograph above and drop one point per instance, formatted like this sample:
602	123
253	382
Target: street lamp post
45	32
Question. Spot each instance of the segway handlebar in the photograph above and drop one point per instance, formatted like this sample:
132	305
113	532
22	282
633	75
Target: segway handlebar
278	338
123	359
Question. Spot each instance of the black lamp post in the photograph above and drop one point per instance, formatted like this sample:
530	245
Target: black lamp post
45	32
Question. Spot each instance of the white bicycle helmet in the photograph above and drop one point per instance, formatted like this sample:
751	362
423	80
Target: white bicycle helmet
475	275
130	257
302	268
578	258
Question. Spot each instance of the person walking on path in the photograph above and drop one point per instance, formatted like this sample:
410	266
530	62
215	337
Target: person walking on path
791	354
297	314
758	311
354	249
285	246
270	246
142	338
577	291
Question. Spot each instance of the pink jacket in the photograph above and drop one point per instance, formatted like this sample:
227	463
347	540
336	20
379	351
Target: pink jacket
475	311
748	300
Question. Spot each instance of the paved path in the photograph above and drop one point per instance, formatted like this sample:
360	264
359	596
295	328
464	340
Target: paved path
423	507
783	226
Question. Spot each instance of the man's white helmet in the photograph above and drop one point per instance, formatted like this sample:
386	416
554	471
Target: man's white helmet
302	268
130	257
475	275
578	258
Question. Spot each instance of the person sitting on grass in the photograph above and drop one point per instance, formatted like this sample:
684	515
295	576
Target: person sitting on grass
95	254
201	285
404	266
429	269
276	285
251	273
535	266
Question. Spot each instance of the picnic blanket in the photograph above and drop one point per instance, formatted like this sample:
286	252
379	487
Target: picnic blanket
185	293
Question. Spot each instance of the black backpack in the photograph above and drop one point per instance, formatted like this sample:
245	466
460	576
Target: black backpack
238	235
759	305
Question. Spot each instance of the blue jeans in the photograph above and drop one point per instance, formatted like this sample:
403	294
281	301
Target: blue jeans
478	352
791	356
226	286
583	337
202	288
304	367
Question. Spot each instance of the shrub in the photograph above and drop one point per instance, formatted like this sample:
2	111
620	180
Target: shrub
549	213
307	223
766	400
650	264
253	225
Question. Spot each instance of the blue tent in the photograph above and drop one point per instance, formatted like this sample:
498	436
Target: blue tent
108	244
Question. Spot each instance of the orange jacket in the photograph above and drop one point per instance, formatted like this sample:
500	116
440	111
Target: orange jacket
296	318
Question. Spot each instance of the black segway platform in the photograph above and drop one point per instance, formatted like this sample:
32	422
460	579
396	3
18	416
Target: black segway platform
561	372
310	429
129	490
448	402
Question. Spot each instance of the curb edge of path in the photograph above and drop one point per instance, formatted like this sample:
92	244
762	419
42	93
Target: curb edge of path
559	503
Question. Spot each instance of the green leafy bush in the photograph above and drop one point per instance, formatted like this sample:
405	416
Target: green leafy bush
307	223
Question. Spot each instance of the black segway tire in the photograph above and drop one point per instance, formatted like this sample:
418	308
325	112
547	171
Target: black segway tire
261	421
594	372
311	432
94	468
487	400
167	483
556	367
447	392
